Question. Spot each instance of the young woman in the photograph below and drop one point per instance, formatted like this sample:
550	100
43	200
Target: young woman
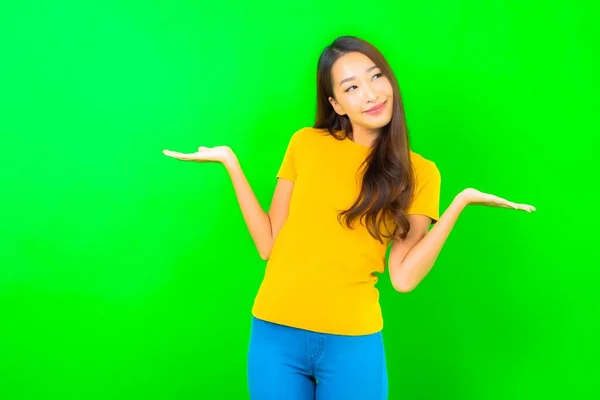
348	187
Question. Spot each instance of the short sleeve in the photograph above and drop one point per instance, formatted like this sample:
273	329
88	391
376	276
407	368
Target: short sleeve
426	199
287	169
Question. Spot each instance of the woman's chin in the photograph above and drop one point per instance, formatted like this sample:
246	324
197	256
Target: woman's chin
377	123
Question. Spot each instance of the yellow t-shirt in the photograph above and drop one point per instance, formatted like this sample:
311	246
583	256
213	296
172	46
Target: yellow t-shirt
320	275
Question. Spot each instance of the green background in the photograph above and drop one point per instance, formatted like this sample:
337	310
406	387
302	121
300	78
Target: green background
128	275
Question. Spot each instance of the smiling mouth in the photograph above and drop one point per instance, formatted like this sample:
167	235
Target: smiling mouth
376	108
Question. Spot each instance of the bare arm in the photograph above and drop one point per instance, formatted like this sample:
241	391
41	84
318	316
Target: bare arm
263	227
412	259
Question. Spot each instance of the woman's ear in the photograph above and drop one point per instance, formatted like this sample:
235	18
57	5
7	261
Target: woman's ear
336	106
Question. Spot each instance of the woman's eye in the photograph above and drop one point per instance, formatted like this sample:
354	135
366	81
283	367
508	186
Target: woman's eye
377	75
350	88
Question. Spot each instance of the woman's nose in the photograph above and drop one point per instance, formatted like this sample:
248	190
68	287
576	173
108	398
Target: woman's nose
370	93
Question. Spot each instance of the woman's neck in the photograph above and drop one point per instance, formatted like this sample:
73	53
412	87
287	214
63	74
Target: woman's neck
364	137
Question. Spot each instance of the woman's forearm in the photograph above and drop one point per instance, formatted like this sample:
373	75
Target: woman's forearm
257	220
421	258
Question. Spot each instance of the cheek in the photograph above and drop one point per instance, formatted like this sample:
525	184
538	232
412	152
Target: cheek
352	105
356	105
386	88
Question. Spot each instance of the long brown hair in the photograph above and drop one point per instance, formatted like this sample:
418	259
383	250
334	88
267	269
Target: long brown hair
388	181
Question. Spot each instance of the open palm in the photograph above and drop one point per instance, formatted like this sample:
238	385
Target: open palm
474	196
204	154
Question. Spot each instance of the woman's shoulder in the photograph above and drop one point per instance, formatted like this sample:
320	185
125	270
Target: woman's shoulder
422	164
309	131
309	134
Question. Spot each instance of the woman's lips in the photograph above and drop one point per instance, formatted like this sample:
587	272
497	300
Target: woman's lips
376	109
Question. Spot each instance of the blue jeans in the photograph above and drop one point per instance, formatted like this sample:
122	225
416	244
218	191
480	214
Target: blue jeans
286	363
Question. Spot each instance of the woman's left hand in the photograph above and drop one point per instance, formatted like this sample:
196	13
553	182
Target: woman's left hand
474	196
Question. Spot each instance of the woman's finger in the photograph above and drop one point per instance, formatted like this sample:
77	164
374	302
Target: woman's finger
526	207
180	156
503	202
523	207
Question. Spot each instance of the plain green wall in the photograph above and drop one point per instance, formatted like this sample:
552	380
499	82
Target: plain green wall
128	275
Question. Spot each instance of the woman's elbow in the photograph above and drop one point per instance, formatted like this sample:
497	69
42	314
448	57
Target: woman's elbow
264	248
403	285
265	253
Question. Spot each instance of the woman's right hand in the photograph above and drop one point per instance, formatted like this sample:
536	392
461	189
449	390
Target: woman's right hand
257	220
222	154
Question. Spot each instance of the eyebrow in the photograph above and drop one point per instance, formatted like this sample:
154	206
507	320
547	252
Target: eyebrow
353	77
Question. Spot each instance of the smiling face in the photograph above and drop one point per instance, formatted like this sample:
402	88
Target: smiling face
361	91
